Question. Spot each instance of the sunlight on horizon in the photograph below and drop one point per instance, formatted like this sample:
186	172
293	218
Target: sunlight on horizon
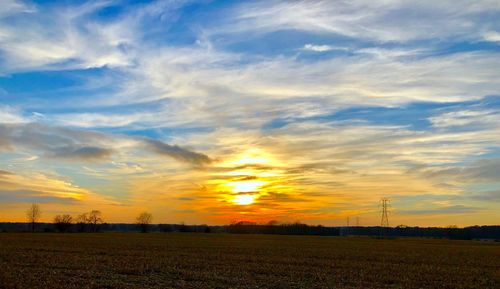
246	186
244	199
247	176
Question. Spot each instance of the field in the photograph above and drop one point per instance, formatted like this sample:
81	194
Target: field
190	260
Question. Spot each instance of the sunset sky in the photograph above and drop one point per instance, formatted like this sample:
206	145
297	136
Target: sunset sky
221	111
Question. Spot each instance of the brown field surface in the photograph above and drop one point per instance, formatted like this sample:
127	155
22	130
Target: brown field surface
185	260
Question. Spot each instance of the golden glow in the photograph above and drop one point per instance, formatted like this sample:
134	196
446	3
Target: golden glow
246	186
244	199
252	156
247	175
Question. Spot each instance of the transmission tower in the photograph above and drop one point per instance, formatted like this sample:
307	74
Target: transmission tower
385	220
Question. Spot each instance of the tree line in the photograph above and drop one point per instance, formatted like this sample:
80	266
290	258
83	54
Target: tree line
86	222
93	222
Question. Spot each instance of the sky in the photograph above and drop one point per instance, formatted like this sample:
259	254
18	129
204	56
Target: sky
223	111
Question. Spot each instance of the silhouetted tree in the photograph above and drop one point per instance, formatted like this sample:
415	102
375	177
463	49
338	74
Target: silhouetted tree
33	213
144	221
94	220
63	222
81	222
89	221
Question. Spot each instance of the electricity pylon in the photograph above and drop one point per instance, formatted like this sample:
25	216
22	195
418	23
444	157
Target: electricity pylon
385	219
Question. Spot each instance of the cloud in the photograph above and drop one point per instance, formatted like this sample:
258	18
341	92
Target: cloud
319	48
488	196
71	36
55	142
10	7
63	38
201	80
349	163
468	118
102	120
386	21
10	115
29	196
493	36
200	89
445	210
78	145
2	172
56	193
82	153
4	144
484	170
177	152
37	187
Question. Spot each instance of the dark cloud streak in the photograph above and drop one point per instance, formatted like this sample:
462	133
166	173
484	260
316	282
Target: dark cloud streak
455	209
177	152
31	196
488	196
83	153
79	145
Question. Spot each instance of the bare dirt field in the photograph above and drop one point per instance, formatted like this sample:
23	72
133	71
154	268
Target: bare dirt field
190	260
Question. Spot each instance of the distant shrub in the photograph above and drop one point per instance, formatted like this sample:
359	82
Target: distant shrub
144	221
63	223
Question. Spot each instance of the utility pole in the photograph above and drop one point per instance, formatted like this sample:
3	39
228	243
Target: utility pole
385	219
346	232
357	221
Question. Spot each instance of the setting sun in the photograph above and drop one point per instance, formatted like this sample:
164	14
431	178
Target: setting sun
246	178
246	186
244	199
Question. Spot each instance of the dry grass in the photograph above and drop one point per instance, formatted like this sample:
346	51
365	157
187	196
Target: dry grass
130	260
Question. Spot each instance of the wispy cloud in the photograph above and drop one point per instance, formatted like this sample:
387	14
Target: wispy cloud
489	196
321	48
10	7
379	21
492	36
10	115
65	143
445	210
177	152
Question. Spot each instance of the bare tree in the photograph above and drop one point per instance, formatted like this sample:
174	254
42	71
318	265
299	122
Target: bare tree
81	222
63	222
144	221
89	221
33	213
94	220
